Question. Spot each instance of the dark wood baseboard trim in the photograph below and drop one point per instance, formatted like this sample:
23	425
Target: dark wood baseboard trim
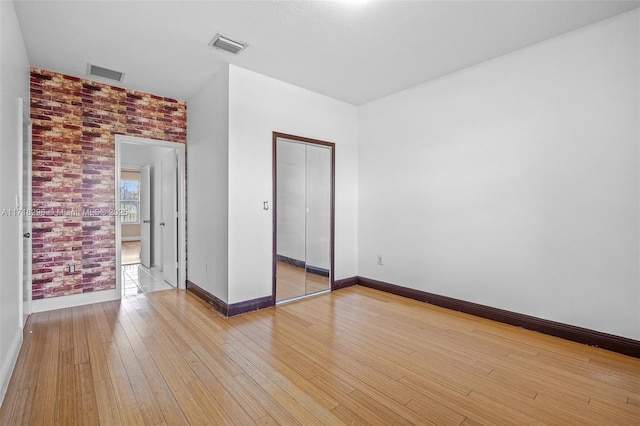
203	294
290	261
586	336
226	309
344	283
249	306
302	264
317	271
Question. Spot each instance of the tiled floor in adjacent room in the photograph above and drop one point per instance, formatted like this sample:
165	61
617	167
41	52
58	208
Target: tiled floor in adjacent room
139	279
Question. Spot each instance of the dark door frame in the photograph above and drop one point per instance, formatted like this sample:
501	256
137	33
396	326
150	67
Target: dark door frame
308	141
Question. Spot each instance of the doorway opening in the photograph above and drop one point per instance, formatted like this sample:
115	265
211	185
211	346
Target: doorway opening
303	217
150	218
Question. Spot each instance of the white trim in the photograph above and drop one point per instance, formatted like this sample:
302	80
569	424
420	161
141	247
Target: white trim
9	363
53	303
182	229
304	296
24	121
637	336
29	204
20	205
131	238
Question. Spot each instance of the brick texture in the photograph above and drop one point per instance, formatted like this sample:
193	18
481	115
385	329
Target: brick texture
74	126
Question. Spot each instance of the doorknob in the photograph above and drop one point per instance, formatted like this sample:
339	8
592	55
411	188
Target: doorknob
161	223
27	235
146	221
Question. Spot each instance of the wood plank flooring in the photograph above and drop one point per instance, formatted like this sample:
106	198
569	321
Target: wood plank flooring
292	281
130	252
354	356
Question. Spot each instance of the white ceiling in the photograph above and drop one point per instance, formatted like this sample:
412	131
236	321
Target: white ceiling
355	51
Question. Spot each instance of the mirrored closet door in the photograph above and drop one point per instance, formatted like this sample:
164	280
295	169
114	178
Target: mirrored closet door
303	216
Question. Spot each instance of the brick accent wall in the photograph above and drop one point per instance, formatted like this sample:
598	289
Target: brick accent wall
74	126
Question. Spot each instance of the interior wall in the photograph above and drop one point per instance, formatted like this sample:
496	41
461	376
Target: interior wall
514	183
207	230
74	127
128	174
258	106
14	84
130	231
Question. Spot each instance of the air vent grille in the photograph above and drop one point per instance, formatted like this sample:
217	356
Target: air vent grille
104	72
225	43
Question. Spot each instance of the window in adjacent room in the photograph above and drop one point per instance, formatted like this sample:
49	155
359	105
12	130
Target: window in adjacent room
130	196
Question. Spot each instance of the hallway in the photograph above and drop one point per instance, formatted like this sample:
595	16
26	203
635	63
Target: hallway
139	279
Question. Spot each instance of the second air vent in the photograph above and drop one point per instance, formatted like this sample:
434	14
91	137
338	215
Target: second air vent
225	43
104	72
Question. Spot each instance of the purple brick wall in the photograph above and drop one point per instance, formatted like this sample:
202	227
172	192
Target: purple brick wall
74	126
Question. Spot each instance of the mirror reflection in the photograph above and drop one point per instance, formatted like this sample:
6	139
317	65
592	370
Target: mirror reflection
303	218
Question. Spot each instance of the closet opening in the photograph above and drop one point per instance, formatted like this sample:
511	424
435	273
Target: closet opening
303	217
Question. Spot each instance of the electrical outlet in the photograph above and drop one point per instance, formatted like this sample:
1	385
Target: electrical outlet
72	269
379	260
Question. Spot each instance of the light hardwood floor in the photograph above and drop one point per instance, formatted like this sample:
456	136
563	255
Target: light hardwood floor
130	252
355	356
292	281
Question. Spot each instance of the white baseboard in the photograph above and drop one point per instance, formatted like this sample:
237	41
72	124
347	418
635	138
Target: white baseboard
43	305
9	363
130	238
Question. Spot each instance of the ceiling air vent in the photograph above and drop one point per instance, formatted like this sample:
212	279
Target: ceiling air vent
104	72
225	43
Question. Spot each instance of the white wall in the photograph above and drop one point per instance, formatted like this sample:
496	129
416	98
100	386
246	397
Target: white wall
207	182
514	183
258	106
14	83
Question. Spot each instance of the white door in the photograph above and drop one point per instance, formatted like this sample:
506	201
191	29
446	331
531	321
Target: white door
25	205
169	218
145	216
